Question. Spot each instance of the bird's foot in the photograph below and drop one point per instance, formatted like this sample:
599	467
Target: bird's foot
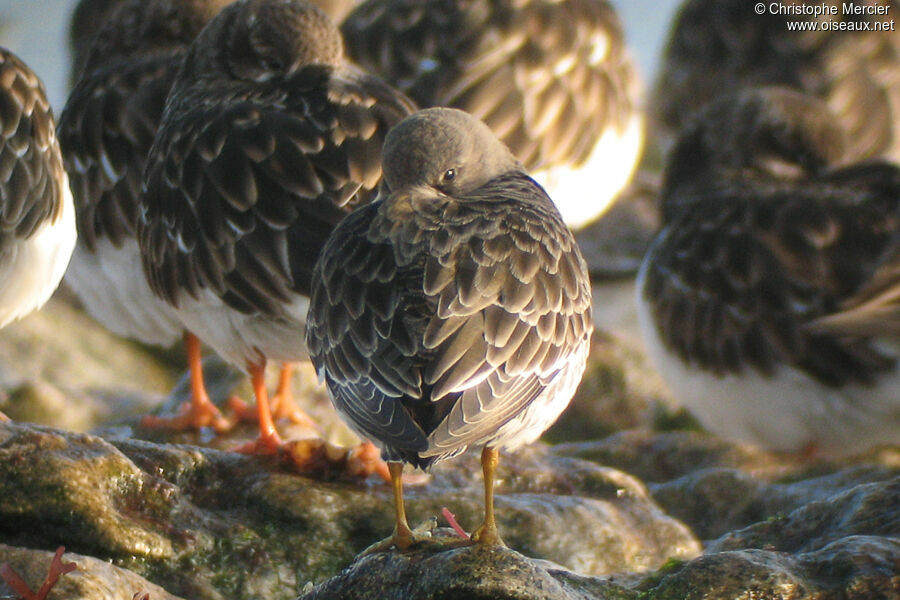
245	413
322	458
409	539
57	569
487	535
190	416
285	407
4	418
241	412
266	445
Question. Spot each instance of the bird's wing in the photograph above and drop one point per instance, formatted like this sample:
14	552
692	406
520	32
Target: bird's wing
874	310
739	286
362	341
105	132
457	313
511	298
546	77
242	194
31	170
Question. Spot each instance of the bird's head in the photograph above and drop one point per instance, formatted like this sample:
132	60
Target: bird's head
445	149
258	40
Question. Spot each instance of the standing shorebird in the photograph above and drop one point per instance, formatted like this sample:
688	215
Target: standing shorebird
454	311
718	47
768	236
37	218
267	140
106	130
551	78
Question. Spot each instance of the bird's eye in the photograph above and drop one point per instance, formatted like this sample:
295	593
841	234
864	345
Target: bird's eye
448	176
272	64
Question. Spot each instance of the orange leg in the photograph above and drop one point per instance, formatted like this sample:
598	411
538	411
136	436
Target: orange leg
268	442
283	404
200	411
4	418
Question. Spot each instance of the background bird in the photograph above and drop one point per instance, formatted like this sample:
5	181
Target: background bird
87	19
267	140
717	47
873	310
106	130
766	231
37	219
454	311
551	78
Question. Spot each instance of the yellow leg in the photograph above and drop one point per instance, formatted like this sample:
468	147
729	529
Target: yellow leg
487	534
403	535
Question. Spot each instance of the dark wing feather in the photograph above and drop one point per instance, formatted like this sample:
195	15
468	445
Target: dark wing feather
31	169
719	47
242	195
864	92
105	132
360	337
514	306
547	77
874	310
468	334
738	286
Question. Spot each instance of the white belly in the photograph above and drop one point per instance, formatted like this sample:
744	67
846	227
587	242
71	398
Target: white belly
31	270
110	283
239	338
787	411
584	193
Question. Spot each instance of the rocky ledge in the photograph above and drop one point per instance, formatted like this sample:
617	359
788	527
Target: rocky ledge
632	511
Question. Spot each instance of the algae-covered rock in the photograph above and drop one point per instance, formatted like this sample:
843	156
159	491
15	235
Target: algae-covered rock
606	517
469	573
206	524
92	579
856	568
867	509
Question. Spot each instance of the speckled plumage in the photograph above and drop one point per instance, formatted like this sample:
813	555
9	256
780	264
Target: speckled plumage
106	130
37	220
450	313
268	138
767	229
551	78
718	47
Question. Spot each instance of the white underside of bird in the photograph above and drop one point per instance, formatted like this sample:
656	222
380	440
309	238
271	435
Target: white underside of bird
531	423
787	410
584	193
241	338
31	269
111	285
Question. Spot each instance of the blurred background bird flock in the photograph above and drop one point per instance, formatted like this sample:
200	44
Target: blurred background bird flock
430	212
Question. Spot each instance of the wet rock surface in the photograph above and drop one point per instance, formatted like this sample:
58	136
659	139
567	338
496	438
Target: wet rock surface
207	524
630	501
